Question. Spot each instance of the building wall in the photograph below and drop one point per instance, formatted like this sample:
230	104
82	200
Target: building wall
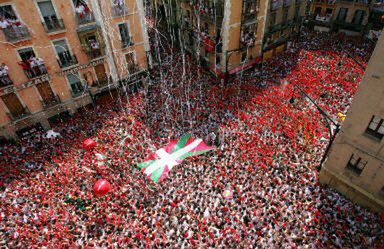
333	23
277	35
42	43
365	188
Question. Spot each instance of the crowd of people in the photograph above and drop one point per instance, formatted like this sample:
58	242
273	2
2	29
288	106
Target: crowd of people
269	141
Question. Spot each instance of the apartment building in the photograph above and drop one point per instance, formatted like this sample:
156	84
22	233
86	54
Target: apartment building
285	19
228	36
348	16
58	56
355	166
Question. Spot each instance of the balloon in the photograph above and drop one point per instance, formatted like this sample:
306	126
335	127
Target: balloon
228	194
89	144
101	187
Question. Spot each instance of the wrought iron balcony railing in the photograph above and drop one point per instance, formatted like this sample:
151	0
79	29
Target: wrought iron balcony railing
51	102
66	60
53	25
119	10
5	80
16	33
85	18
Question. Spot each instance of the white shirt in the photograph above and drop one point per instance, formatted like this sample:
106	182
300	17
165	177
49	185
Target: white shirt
80	9
4	24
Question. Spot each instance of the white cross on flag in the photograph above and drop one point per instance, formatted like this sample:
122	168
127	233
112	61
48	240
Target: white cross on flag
157	165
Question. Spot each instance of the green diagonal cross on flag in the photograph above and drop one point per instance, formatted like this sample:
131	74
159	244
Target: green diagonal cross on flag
158	165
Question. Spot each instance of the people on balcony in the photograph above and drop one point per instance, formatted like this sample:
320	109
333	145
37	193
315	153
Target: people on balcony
119	6
83	11
4	77
33	67
13	26
95	48
119	3
248	38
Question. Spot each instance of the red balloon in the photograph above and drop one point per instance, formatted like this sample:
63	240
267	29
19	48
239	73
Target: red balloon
101	187
89	144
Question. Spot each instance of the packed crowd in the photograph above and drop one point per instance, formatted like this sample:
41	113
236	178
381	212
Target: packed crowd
269	142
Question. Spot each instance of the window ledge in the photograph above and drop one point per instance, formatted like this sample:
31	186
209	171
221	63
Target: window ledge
372	137
57	32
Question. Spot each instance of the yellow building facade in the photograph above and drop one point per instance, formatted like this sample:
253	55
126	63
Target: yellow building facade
230	36
57	56
350	17
355	166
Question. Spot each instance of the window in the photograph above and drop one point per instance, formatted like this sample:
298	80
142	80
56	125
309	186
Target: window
206	28
7	12
14	105
342	14
131	64
75	82
317	11
376	127
83	12
31	65
297	12
275	4
11	26
248	34
65	58
46	94
272	21
4	76
356	164
26	53
358	17
51	22
285	15
119	8
126	39
250	9
92	43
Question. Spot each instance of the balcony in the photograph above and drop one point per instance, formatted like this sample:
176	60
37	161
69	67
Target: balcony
33	71
16	116
127	42
50	102
250	16
348	26
94	53
16	33
5	80
85	18
276	5
287	3
53	25
133	68
66	60
119	10
100	83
